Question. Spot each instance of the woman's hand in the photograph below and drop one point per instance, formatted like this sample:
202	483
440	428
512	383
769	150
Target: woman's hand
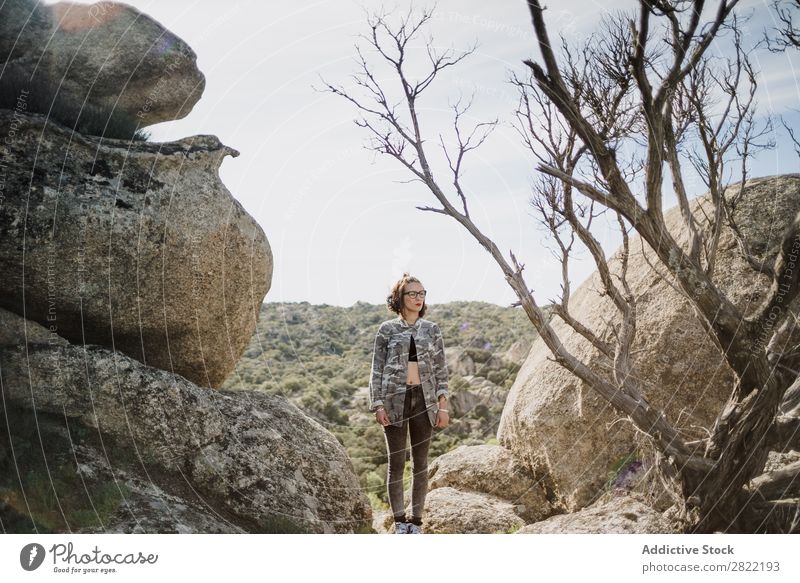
382	417
442	418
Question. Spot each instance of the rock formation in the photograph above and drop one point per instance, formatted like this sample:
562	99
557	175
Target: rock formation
76	484
132	282
134	245
255	457
479	392
617	515
491	470
106	55
558	427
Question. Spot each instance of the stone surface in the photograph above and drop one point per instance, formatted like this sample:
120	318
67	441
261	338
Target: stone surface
558	426
133	245
382	522
479	392
452	511
23	24
619	515
253	456
459	362
518	351
56	476
103	55
490	469
16	330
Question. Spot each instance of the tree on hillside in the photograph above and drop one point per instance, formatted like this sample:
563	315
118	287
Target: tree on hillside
608	121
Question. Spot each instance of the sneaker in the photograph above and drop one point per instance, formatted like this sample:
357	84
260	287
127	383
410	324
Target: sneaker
401	527
414	529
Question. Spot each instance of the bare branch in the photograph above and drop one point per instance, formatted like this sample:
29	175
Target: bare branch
786	283
601	120
432	209
792	135
474	140
788	35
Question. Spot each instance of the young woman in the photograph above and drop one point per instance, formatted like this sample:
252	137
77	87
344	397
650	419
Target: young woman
408	393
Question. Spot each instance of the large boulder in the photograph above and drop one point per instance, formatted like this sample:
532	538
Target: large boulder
459	361
15	330
133	245
104	56
478	393
265	465
476	489
617	515
453	511
75	484
517	352
490	469
23	24
556	425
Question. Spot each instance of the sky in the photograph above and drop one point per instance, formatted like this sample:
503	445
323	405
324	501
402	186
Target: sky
341	221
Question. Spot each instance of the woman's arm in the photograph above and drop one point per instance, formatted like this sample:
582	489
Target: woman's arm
376	375
439	363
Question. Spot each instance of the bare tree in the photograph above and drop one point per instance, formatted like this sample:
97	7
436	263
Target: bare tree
786	35
631	107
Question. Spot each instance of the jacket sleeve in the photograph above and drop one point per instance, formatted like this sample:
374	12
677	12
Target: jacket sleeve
376	375
439	363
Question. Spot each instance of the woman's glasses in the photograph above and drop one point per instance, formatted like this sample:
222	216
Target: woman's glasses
416	294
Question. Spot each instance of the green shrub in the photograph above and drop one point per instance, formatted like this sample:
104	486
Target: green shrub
478	355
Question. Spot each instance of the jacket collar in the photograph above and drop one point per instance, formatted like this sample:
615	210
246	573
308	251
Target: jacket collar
405	324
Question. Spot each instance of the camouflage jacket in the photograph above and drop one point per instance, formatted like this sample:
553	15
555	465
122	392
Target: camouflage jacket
387	383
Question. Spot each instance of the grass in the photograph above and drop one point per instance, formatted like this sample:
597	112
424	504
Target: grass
45	486
43	95
64	504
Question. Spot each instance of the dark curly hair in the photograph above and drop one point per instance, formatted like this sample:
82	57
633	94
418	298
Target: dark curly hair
394	301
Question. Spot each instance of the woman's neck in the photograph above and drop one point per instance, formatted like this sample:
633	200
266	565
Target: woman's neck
410	318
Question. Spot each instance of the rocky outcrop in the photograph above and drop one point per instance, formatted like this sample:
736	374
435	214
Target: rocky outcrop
22	27
143	272
459	361
254	457
476	489
561	428
490	469
133	245
618	515
87	491
479	392
106	55
517	352
470	361
15	330
452	511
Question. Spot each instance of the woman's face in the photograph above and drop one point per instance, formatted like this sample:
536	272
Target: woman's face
411	304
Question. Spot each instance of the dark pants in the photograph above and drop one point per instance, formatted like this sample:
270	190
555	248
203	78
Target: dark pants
415	422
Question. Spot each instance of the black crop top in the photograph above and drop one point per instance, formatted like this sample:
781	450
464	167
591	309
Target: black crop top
412	351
